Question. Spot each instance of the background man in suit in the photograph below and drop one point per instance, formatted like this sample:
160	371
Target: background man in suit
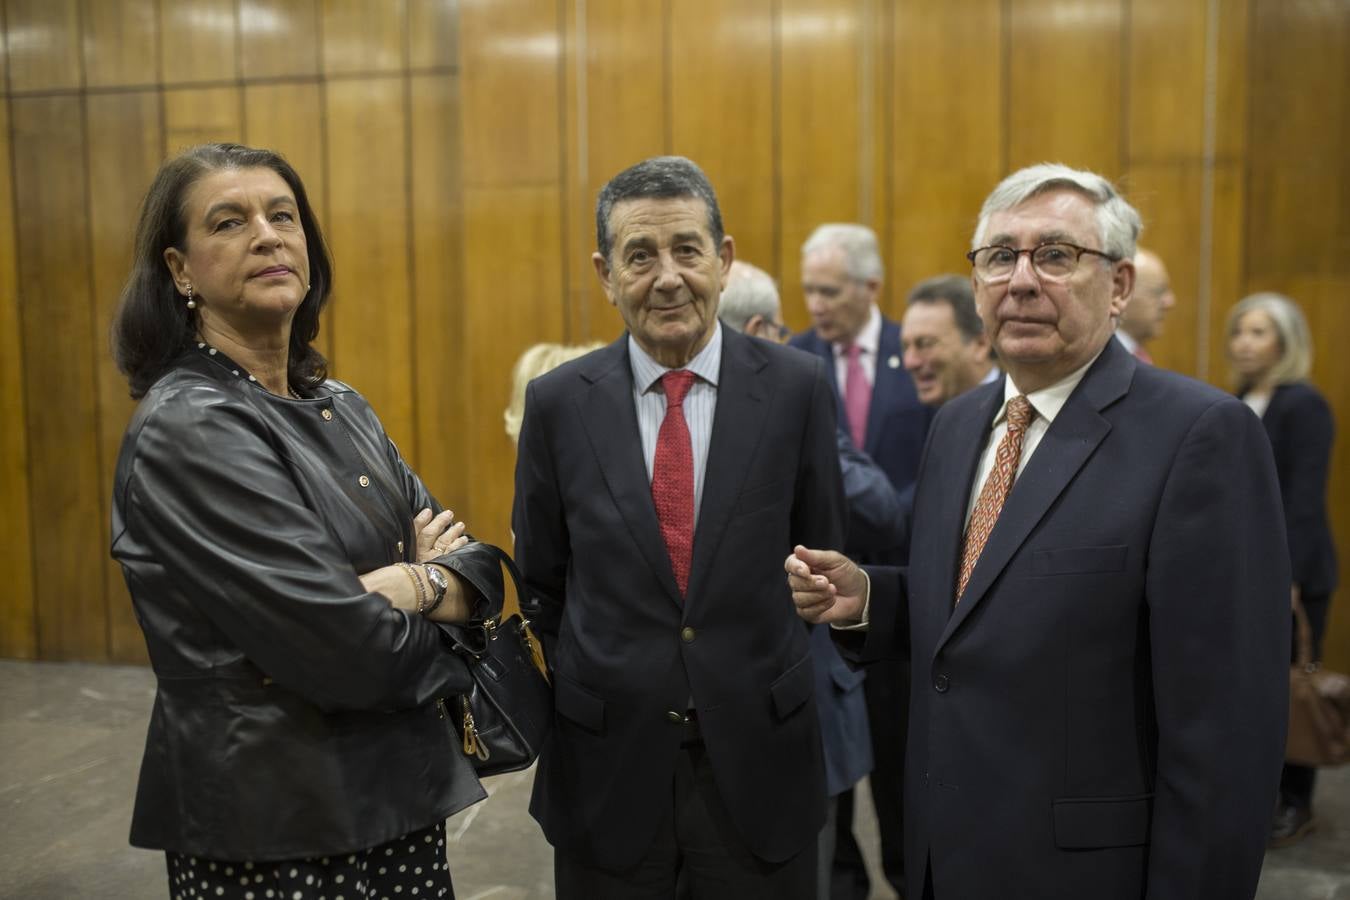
1097	600
750	304
943	344
657	479
842	276
1153	299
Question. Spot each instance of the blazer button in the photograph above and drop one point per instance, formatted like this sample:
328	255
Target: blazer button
687	635
941	684
675	717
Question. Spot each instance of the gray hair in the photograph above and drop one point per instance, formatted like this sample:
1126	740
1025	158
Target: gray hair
657	178
750	292
955	291
1296	352
1118	222
862	256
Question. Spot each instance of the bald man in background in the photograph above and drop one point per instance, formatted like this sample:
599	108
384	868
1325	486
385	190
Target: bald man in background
1142	319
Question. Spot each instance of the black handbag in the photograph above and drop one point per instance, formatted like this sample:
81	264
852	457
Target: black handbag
505	717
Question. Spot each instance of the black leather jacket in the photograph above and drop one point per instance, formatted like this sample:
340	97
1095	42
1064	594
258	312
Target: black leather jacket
296	714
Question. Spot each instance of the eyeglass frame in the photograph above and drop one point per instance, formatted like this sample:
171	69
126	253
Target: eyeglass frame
1032	262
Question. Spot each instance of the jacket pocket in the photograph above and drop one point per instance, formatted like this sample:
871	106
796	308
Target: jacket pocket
1095	822
1079	560
578	704
792	689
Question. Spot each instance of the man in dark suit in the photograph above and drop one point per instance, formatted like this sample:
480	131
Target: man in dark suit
880	411
1097	600
657	482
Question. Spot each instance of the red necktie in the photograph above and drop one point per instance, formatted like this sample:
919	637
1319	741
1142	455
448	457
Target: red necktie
1142	355
857	396
996	487
673	477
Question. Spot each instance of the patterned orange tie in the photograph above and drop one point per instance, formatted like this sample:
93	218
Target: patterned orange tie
996	487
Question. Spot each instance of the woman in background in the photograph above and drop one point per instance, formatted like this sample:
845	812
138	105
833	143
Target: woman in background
1270	350
535	361
287	567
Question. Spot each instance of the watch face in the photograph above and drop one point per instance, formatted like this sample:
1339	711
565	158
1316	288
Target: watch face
438	580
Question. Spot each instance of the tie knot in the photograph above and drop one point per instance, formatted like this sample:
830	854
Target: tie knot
676	383
852	351
1020	412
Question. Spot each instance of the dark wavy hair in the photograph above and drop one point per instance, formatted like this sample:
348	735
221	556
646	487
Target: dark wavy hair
153	325
657	178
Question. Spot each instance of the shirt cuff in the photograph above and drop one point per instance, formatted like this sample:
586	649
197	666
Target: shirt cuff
861	624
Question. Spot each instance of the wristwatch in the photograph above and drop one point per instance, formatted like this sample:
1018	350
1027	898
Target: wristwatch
439	585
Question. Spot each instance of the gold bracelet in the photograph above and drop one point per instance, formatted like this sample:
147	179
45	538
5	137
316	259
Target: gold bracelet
421	590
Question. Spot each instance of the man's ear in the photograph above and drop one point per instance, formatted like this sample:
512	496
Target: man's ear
604	273
1122	287
753	325
726	253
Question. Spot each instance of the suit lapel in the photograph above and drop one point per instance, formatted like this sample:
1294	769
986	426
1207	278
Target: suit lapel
610	420
738	425
1071	440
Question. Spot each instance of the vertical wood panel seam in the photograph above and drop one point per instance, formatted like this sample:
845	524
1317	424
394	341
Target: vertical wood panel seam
1249	73
324	167
410	242
1205	287
776	131
1126	10
560	26
866	113
92	301
667	75
22	369
1005	113
581	62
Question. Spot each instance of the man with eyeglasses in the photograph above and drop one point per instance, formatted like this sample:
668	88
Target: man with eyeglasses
879	409
1096	604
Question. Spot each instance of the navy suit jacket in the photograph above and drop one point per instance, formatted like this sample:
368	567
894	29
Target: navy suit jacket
628	652
1301	431
1104	713
897	422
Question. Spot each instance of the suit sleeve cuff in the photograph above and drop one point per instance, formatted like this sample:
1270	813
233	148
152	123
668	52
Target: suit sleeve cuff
861	624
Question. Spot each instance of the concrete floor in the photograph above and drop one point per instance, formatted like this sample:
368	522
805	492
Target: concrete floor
71	738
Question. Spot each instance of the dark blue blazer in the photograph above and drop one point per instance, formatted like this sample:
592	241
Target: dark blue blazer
627	650
897	422
1104	713
1301	431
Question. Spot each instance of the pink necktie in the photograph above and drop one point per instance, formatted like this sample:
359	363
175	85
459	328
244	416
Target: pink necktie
673	477
996	487
857	396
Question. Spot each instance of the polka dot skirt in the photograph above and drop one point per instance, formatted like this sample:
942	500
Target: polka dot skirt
405	868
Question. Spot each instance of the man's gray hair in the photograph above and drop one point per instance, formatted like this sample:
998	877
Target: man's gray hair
862	256
750	292
1118	222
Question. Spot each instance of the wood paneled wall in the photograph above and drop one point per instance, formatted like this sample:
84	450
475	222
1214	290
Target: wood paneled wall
454	150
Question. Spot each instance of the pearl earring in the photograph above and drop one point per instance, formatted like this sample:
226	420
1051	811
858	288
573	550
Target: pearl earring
191	304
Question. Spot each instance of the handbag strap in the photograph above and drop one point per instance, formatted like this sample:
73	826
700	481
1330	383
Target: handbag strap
1304	631
517	580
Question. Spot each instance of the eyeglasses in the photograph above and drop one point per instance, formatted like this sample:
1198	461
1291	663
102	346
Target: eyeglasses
1053	262
775	331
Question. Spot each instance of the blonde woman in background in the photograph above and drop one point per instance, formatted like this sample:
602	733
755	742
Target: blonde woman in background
1270	351
534	362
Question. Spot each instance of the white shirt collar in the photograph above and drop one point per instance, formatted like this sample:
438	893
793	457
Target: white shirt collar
705	364
869	339
1047	401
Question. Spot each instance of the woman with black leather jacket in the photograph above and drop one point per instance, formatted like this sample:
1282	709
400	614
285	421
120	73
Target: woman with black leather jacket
287	567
